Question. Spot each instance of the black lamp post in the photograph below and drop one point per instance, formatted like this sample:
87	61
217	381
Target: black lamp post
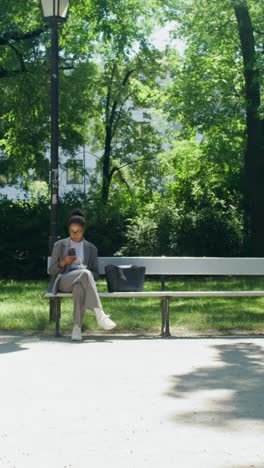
54	12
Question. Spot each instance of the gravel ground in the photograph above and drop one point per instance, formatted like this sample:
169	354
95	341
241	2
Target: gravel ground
131	402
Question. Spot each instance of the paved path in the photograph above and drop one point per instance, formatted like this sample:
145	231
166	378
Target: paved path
124	402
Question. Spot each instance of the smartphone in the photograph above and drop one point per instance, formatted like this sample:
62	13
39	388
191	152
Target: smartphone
72	251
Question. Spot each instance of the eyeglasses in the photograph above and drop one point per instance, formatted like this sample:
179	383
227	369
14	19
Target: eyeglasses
75	232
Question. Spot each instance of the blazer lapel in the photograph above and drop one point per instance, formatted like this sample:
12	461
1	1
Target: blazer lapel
86	252
65	246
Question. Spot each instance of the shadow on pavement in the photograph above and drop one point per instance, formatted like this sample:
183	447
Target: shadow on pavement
11	342
248	466
234	386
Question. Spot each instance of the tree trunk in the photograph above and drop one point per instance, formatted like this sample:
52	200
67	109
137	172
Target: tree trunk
106	165
254	156
113	114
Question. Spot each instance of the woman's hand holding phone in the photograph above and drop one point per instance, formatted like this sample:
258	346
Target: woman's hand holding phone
69	259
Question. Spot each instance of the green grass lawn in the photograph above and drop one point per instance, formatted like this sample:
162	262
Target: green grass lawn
22	307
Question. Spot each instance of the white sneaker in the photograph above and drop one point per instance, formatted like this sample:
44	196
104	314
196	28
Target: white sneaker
76	333
106	323
103	320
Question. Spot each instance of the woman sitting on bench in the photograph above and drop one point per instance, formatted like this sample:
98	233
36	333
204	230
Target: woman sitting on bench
74	267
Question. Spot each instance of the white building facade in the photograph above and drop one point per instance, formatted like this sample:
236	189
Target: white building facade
75	170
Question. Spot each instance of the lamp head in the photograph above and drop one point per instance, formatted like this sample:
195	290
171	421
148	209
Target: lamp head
55	10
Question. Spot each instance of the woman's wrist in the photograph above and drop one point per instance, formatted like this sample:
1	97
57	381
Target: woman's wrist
62	264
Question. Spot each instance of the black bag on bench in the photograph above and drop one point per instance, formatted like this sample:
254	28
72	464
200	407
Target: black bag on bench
125	278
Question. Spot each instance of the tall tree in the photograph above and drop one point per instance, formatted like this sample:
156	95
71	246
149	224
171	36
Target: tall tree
217	91
126	101
128	67
254	155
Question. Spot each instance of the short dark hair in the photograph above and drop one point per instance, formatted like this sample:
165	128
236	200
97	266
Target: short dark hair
77	217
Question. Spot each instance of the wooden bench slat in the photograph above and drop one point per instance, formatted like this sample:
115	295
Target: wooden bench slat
216	266
169	294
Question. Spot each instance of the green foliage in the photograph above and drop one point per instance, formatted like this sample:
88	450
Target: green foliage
217	90
24	238
207	90
166	230
194	214
96	37
188	199
105	225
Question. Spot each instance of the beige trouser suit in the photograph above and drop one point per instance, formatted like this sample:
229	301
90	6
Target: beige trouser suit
82	285
80	282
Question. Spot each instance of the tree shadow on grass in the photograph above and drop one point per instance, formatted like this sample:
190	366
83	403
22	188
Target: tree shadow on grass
236	383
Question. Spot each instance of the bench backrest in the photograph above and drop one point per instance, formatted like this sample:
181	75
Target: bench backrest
189	265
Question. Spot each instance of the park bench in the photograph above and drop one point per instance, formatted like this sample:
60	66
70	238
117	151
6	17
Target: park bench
174	266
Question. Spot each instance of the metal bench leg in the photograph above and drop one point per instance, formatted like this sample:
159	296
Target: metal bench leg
163	316
163	282
165	327
55	314
58	316
167	318
51	310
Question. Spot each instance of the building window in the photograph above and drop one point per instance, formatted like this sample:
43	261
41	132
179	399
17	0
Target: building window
75	171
